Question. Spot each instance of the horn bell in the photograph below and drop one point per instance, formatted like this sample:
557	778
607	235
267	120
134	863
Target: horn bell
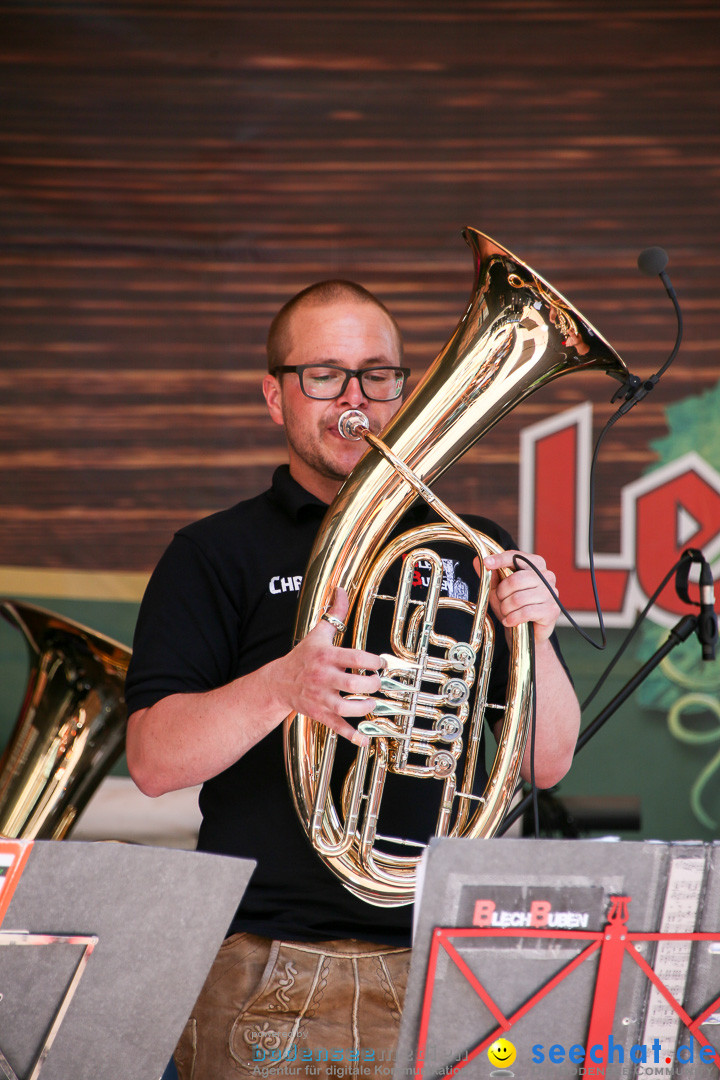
71	726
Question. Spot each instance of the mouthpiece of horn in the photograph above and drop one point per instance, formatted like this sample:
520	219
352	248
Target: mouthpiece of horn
352	423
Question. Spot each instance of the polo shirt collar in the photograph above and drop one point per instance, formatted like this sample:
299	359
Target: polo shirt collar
292	498
299	503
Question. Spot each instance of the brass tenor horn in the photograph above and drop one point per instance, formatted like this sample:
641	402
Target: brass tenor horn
71	727
517	334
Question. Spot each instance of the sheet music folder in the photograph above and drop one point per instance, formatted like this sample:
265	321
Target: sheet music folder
566	887
159	917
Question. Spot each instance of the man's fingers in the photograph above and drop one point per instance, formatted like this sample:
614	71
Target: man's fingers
332	622
524	582
358	707
478	567
521	596
330	671
342	728
530	612
333	619
358	684
506	559
340	604
358	660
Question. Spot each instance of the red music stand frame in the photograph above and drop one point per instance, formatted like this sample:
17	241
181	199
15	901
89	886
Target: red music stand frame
613	942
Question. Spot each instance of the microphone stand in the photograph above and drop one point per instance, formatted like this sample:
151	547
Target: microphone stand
707	633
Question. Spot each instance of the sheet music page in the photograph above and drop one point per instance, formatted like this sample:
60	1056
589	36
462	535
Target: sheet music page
672	959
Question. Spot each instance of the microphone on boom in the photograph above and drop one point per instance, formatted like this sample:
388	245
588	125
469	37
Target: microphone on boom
652	261
707	622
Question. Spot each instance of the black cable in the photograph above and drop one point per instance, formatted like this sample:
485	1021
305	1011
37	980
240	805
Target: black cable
685	557
533	728
671	293
634	390
651	261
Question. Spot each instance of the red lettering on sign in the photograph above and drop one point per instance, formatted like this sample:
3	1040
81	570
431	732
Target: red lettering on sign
482	916
689	501
539	912
671	508
557	524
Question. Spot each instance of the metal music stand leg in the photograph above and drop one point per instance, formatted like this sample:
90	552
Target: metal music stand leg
10	937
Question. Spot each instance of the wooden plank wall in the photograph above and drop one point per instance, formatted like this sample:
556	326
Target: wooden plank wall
173	171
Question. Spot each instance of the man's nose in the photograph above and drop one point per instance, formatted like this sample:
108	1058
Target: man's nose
353	393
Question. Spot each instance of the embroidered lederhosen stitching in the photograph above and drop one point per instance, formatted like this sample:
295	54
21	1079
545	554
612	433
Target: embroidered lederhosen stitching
289	996
262	1039
324	967
283	991
388	986
355	1009
186	1050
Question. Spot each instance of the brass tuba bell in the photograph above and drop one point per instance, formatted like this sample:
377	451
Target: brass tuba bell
517	334
71	727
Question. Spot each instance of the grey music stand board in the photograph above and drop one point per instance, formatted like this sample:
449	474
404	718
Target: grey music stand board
482	968
106	947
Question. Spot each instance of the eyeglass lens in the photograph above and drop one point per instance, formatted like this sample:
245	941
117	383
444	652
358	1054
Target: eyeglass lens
378	384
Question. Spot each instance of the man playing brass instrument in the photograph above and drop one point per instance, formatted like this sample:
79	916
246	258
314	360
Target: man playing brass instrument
310	978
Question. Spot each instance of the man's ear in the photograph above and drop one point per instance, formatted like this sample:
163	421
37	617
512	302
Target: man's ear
273	397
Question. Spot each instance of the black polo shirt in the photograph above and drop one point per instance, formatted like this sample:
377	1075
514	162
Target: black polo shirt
221	603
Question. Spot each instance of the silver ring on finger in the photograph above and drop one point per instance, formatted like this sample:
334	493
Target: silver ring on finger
334	621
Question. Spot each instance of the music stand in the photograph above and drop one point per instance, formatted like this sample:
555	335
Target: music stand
124	937
537	942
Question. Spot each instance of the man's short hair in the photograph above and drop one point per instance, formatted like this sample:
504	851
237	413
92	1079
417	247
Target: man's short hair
322	292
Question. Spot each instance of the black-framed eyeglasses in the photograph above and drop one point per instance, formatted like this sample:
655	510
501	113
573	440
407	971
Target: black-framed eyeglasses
326	382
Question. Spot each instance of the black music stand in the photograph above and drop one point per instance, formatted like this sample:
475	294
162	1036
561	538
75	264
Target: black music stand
490	962
118	941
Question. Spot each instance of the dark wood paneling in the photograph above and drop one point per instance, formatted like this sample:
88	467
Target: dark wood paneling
172	172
